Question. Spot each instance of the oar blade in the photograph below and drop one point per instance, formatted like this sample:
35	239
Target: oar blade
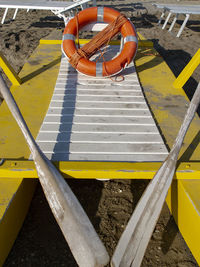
134	240
85	244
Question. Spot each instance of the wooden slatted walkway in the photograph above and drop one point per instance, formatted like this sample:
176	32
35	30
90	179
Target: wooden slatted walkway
97	119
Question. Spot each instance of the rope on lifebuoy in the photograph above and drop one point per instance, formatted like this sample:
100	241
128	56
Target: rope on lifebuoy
79	58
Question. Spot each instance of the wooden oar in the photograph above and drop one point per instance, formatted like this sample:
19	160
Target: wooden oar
135	238
86	247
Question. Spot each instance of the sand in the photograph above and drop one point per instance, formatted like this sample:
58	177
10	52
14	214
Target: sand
109	204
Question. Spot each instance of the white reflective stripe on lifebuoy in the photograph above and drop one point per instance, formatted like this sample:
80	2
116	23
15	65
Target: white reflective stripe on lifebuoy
69	36
100	13
99	69
130	38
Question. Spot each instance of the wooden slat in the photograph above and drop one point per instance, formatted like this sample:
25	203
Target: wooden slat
134	86
102	148
102	82
77	98
106	157
100	137
97	92
89	128
100	120
97	105
99	112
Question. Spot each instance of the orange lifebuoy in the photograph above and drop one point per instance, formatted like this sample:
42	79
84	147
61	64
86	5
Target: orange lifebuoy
107	68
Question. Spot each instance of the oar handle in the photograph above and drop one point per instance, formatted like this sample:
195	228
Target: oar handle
187	120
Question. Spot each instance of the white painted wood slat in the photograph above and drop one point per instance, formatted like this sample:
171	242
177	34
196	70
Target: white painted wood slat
109	88
99	112
96	92
118	99
99	120
102	148
97	105
105	128
113	138
105	157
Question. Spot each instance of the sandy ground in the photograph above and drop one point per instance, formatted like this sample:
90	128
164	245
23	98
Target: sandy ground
108	204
